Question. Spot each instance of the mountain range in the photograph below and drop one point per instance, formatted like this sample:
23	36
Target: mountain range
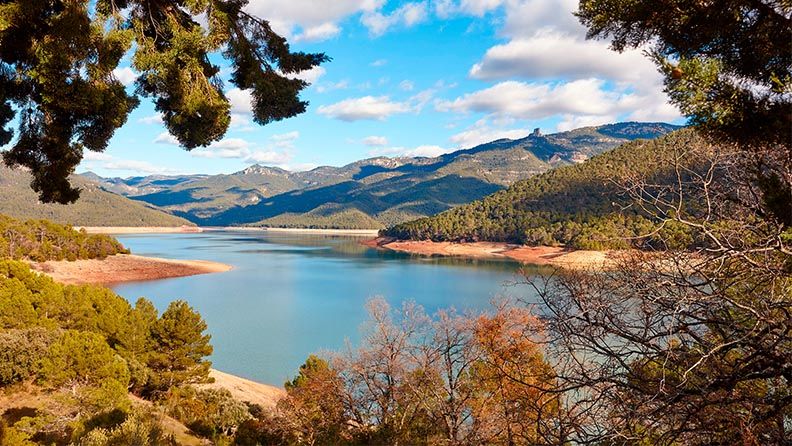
371	193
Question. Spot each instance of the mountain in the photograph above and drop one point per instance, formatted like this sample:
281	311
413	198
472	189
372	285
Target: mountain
580	205
391	191
375	192
140	185
96	206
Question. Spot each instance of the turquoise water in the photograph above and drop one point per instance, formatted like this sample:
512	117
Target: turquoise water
291	295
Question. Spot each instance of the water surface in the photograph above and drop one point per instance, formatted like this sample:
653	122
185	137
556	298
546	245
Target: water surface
290	295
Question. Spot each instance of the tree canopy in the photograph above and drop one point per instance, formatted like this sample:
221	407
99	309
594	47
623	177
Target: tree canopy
727	64
56	76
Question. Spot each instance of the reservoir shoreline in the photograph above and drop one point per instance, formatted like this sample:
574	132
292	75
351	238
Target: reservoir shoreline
534	255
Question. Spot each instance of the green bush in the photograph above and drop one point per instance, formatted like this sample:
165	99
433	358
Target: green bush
207	412
21	351
139	429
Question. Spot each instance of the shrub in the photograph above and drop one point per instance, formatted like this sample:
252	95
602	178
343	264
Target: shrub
21	351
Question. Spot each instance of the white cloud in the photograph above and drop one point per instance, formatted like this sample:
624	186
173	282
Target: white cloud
407	15
166	138
536	100
125	75
577	80
269	157
317	21
483	132
151	119
143	167
420	99
552	55
407	85
94	160
240	100
379	63
278	150
446	8
318	33
285	140
367	107
571	122
290	136
325	87
375	141
241	122
428	151
527	17
90	155
310	76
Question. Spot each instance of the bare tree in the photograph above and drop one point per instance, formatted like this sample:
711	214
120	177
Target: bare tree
691	343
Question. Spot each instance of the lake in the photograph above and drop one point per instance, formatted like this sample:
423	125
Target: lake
290	295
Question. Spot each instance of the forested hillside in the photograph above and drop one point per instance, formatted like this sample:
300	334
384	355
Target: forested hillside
582	206
42	240
70	355
96	207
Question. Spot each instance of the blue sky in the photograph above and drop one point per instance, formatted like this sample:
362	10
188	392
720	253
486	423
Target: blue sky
411	78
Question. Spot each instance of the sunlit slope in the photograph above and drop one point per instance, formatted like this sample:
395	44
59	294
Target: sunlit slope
95	207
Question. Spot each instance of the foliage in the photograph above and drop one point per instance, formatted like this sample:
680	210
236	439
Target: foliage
691	346
211	413
727	66
139	428
13	437
88	347
314	404
416	380
179	348
21	351
42	240
56	70
82	358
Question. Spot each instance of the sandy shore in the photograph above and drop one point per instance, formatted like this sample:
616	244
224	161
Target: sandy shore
536	255
139	229
124	268
246	390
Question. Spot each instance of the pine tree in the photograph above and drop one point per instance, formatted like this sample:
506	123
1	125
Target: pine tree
181	347
56	76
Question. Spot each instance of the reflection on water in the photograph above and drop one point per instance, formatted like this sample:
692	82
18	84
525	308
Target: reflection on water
293	294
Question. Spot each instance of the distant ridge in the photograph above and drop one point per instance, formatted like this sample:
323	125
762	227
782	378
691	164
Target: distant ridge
96	207
375	192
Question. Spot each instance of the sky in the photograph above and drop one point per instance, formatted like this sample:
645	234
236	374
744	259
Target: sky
409	78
